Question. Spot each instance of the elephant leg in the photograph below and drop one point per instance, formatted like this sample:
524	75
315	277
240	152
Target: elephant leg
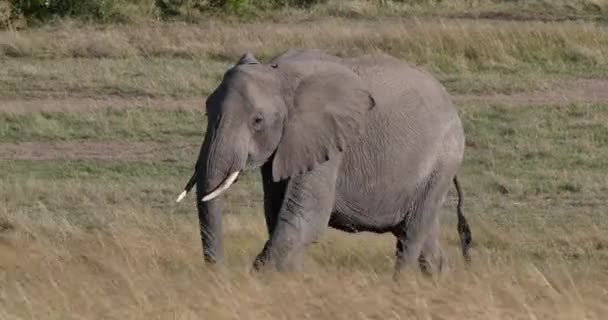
274	193
418	224
303	216
409	247
431	257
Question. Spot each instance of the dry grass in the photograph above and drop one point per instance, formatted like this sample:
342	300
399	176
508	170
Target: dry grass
465	43
148	265
546	10
187	60
138	263
421	40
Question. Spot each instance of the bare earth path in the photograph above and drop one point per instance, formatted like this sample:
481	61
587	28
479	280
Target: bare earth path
70	104
99	150
563	93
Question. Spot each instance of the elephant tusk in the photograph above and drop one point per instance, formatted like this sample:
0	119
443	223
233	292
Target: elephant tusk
223	187
188	187
181	196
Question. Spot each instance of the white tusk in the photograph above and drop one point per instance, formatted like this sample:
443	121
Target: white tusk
188	187
225	185
181	196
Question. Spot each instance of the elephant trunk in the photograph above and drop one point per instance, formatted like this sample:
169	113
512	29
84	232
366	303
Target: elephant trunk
217	168
210	223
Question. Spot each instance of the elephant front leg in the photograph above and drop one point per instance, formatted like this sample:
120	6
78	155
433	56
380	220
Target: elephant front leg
274	193
285	251
303	216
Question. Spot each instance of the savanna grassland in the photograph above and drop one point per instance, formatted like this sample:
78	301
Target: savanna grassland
100	125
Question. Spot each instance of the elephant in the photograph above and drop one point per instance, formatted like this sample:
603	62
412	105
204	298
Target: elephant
367	143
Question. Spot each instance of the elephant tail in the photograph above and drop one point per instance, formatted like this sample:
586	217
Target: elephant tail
188	187
464	231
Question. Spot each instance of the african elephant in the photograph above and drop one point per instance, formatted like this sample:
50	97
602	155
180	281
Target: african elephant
365	143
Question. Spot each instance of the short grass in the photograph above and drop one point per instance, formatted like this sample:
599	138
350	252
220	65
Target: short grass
91	239
124	124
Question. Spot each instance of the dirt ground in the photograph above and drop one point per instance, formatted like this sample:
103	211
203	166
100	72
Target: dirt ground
71	104
98	150
562	94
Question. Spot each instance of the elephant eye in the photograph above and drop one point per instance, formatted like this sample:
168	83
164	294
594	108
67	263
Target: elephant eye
257	121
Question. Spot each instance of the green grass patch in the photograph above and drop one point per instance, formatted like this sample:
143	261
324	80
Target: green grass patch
130	124
546	151
94	171
74	187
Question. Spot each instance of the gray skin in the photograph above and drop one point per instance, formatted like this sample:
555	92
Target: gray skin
367	143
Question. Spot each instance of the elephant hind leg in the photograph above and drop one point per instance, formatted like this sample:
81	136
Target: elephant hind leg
431	257
419	225
409	248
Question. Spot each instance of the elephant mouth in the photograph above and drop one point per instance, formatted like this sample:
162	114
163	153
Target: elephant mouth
222	187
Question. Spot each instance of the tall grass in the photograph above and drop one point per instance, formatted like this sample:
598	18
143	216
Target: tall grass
186	60
445	43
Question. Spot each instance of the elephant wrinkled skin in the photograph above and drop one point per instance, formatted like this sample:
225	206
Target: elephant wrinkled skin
365	143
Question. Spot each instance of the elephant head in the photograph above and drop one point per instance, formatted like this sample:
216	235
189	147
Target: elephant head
295	114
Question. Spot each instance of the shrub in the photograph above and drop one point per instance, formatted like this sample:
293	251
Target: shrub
173	8
10	17
5	13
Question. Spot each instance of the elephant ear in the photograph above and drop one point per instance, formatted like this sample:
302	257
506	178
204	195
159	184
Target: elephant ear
328	111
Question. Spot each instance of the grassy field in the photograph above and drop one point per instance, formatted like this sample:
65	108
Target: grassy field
100	127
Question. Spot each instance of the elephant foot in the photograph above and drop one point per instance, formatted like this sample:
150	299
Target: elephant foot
275	260
430	266
260	263
212	260
407	252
